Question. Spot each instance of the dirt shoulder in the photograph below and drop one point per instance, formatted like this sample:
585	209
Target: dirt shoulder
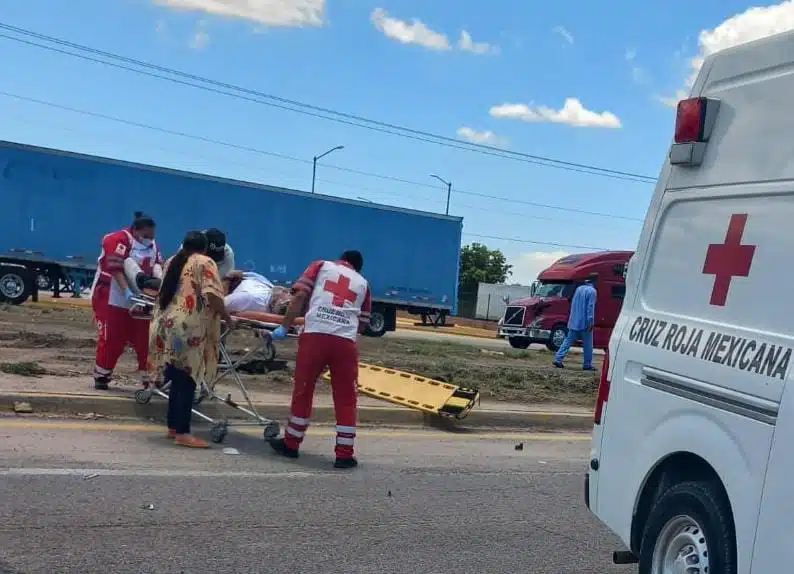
60	341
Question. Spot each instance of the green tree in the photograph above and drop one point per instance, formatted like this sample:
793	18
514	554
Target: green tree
478	264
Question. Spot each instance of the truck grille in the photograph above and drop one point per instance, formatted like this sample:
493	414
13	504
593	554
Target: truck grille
514	317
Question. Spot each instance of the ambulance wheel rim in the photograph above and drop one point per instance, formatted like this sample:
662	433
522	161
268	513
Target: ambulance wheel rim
681	548
12	285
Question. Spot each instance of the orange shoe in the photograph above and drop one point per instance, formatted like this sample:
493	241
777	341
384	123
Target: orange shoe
190	441
171	434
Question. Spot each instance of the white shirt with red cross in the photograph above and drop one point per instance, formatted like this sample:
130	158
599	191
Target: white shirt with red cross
340	301
116	248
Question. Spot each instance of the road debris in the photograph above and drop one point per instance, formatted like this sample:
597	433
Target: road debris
22	408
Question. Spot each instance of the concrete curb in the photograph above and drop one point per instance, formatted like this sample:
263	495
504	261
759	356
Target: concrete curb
124	406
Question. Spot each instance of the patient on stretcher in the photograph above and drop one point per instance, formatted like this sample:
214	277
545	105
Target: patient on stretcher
253	292
245	291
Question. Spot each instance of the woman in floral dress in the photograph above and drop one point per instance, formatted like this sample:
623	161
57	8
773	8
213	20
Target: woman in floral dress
185	331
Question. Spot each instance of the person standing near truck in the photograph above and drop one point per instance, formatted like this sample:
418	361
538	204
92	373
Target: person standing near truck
340	305
580	323
111	294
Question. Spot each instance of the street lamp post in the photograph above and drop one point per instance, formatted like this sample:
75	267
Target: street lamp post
449	189
322	155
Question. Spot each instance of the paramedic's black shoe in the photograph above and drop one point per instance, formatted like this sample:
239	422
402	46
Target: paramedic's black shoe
558	364
102	383
278	445
345	463
588	368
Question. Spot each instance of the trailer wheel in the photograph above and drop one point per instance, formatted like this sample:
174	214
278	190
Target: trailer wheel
377	324
16	284
45	283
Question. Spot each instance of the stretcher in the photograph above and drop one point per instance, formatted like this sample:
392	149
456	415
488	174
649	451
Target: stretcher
261	324
415	392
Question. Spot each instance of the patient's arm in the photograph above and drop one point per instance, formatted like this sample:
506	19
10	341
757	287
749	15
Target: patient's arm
295	308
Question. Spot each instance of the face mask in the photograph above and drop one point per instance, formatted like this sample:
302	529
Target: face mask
146	242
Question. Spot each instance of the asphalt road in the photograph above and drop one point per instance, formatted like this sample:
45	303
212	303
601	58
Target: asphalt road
118	497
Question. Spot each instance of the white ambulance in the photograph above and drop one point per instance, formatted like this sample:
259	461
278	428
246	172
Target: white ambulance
692	461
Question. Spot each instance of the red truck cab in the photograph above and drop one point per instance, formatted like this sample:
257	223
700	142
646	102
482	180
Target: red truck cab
543	317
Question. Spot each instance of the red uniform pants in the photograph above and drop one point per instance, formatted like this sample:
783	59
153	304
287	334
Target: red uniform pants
115	329
316	351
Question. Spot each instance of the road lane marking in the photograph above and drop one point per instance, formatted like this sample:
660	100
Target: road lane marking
318	431
156	473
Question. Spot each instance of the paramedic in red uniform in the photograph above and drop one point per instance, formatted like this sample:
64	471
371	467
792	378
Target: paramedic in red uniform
111	295
339	308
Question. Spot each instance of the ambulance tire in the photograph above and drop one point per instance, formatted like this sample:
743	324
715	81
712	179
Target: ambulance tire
694	515
16	284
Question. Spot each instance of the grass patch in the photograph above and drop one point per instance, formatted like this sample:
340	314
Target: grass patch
23	369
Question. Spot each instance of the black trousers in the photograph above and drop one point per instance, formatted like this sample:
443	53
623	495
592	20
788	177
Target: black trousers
180	399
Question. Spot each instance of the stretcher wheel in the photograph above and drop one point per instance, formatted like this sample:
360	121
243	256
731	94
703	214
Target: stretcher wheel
272	430
219	432
202	394
143	396
269	353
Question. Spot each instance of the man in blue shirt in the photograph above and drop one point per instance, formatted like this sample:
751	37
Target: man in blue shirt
580	323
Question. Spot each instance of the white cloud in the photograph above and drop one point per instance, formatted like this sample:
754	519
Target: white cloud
161	29
467	45
420	34
288	13
638	73
752	24
573	113
413	32
672	101
566	35
527	266
201	37
482	137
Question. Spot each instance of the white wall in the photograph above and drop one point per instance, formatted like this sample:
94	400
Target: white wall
490	299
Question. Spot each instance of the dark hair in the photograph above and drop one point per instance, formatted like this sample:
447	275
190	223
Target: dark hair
142	221
592	278
194	242
216	244
354	258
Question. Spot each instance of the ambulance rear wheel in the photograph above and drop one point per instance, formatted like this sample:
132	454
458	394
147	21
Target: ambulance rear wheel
556	337
689	529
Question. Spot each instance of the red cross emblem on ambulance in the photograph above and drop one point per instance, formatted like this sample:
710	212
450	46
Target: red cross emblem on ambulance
728	259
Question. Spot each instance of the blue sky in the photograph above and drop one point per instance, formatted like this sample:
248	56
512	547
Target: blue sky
353	56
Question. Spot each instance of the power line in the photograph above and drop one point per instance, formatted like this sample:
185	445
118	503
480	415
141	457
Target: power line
301	160
546	243
475	235
309	109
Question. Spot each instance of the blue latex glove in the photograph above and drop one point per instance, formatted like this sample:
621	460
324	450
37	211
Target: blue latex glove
128	293
279	334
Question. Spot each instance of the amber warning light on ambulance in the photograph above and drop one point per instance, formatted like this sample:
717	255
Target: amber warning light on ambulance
694	123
